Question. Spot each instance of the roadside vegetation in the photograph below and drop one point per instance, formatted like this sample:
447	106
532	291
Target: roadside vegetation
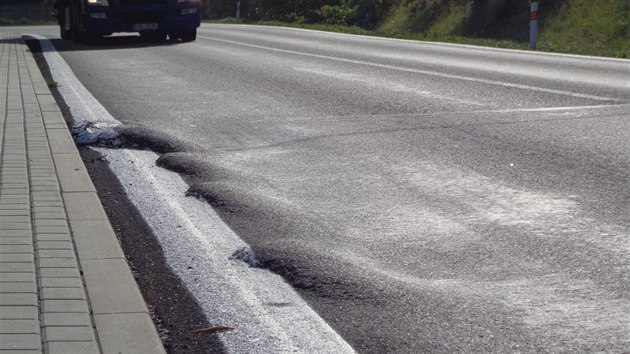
25	12
24	22
589	27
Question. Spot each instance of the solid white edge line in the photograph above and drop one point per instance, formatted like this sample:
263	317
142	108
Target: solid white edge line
442	44
417	71
299	327
553	109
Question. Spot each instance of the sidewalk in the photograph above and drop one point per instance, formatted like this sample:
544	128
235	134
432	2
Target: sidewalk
65	286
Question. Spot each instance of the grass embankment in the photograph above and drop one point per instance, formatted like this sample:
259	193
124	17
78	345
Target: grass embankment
25	22
377	33
599	27
587	27
17	8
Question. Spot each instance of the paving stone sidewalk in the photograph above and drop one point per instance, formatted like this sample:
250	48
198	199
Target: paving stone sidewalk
65	286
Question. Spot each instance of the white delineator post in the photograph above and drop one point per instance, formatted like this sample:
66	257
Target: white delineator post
238	10
533	24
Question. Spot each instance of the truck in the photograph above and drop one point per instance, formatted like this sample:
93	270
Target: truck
88	20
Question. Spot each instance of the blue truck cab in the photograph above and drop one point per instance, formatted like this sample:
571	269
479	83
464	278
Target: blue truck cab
85	20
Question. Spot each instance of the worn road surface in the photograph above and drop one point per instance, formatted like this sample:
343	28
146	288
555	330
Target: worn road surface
421	197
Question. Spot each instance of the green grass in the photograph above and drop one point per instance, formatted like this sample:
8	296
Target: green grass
25	22
599	28
431	37
589	27
453	21
52	83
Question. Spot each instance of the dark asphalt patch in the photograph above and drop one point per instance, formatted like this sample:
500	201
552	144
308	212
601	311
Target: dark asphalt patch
175	312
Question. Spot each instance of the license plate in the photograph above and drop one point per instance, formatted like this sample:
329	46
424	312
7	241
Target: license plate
145	27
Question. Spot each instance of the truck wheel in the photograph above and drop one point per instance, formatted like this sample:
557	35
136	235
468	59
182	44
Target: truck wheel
188	35
65	34
77	32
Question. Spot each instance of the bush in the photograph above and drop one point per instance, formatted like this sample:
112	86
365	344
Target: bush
411	16
369	13
343	14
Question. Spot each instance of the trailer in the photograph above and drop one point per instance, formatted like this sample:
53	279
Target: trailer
87	20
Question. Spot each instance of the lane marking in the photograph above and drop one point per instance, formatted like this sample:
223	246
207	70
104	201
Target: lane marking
228	291
428	43
554	109
418	71
399	88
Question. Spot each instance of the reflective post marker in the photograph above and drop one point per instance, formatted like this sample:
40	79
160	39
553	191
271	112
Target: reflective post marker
533	23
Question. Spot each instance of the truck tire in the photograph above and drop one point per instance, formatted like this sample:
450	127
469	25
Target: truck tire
78	34
65	34
188	35
74	23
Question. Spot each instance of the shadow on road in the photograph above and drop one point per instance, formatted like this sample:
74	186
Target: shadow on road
108	43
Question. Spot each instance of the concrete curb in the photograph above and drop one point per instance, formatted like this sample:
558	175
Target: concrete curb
119	313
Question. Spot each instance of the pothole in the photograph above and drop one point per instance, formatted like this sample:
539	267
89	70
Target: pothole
246	255
96	134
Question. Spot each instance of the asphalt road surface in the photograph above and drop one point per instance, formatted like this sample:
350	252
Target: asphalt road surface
421	197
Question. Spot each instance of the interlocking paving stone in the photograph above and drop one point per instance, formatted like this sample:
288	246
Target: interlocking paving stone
66	319
58	263
11	212
71	347
61	283
16	258
25	233
19	326
54	214
68	333
14	241
56	244
15	225
70	272
50	229
62	294
55	253
20	342
12	248
65	306
18	299
20	219
17	268
51	222
19	312
14	206
38	160
49	204
52	237
17	277
18	287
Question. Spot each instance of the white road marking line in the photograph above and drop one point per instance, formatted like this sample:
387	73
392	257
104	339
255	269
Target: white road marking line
432	43
555	109
422	72
366	80
228	291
